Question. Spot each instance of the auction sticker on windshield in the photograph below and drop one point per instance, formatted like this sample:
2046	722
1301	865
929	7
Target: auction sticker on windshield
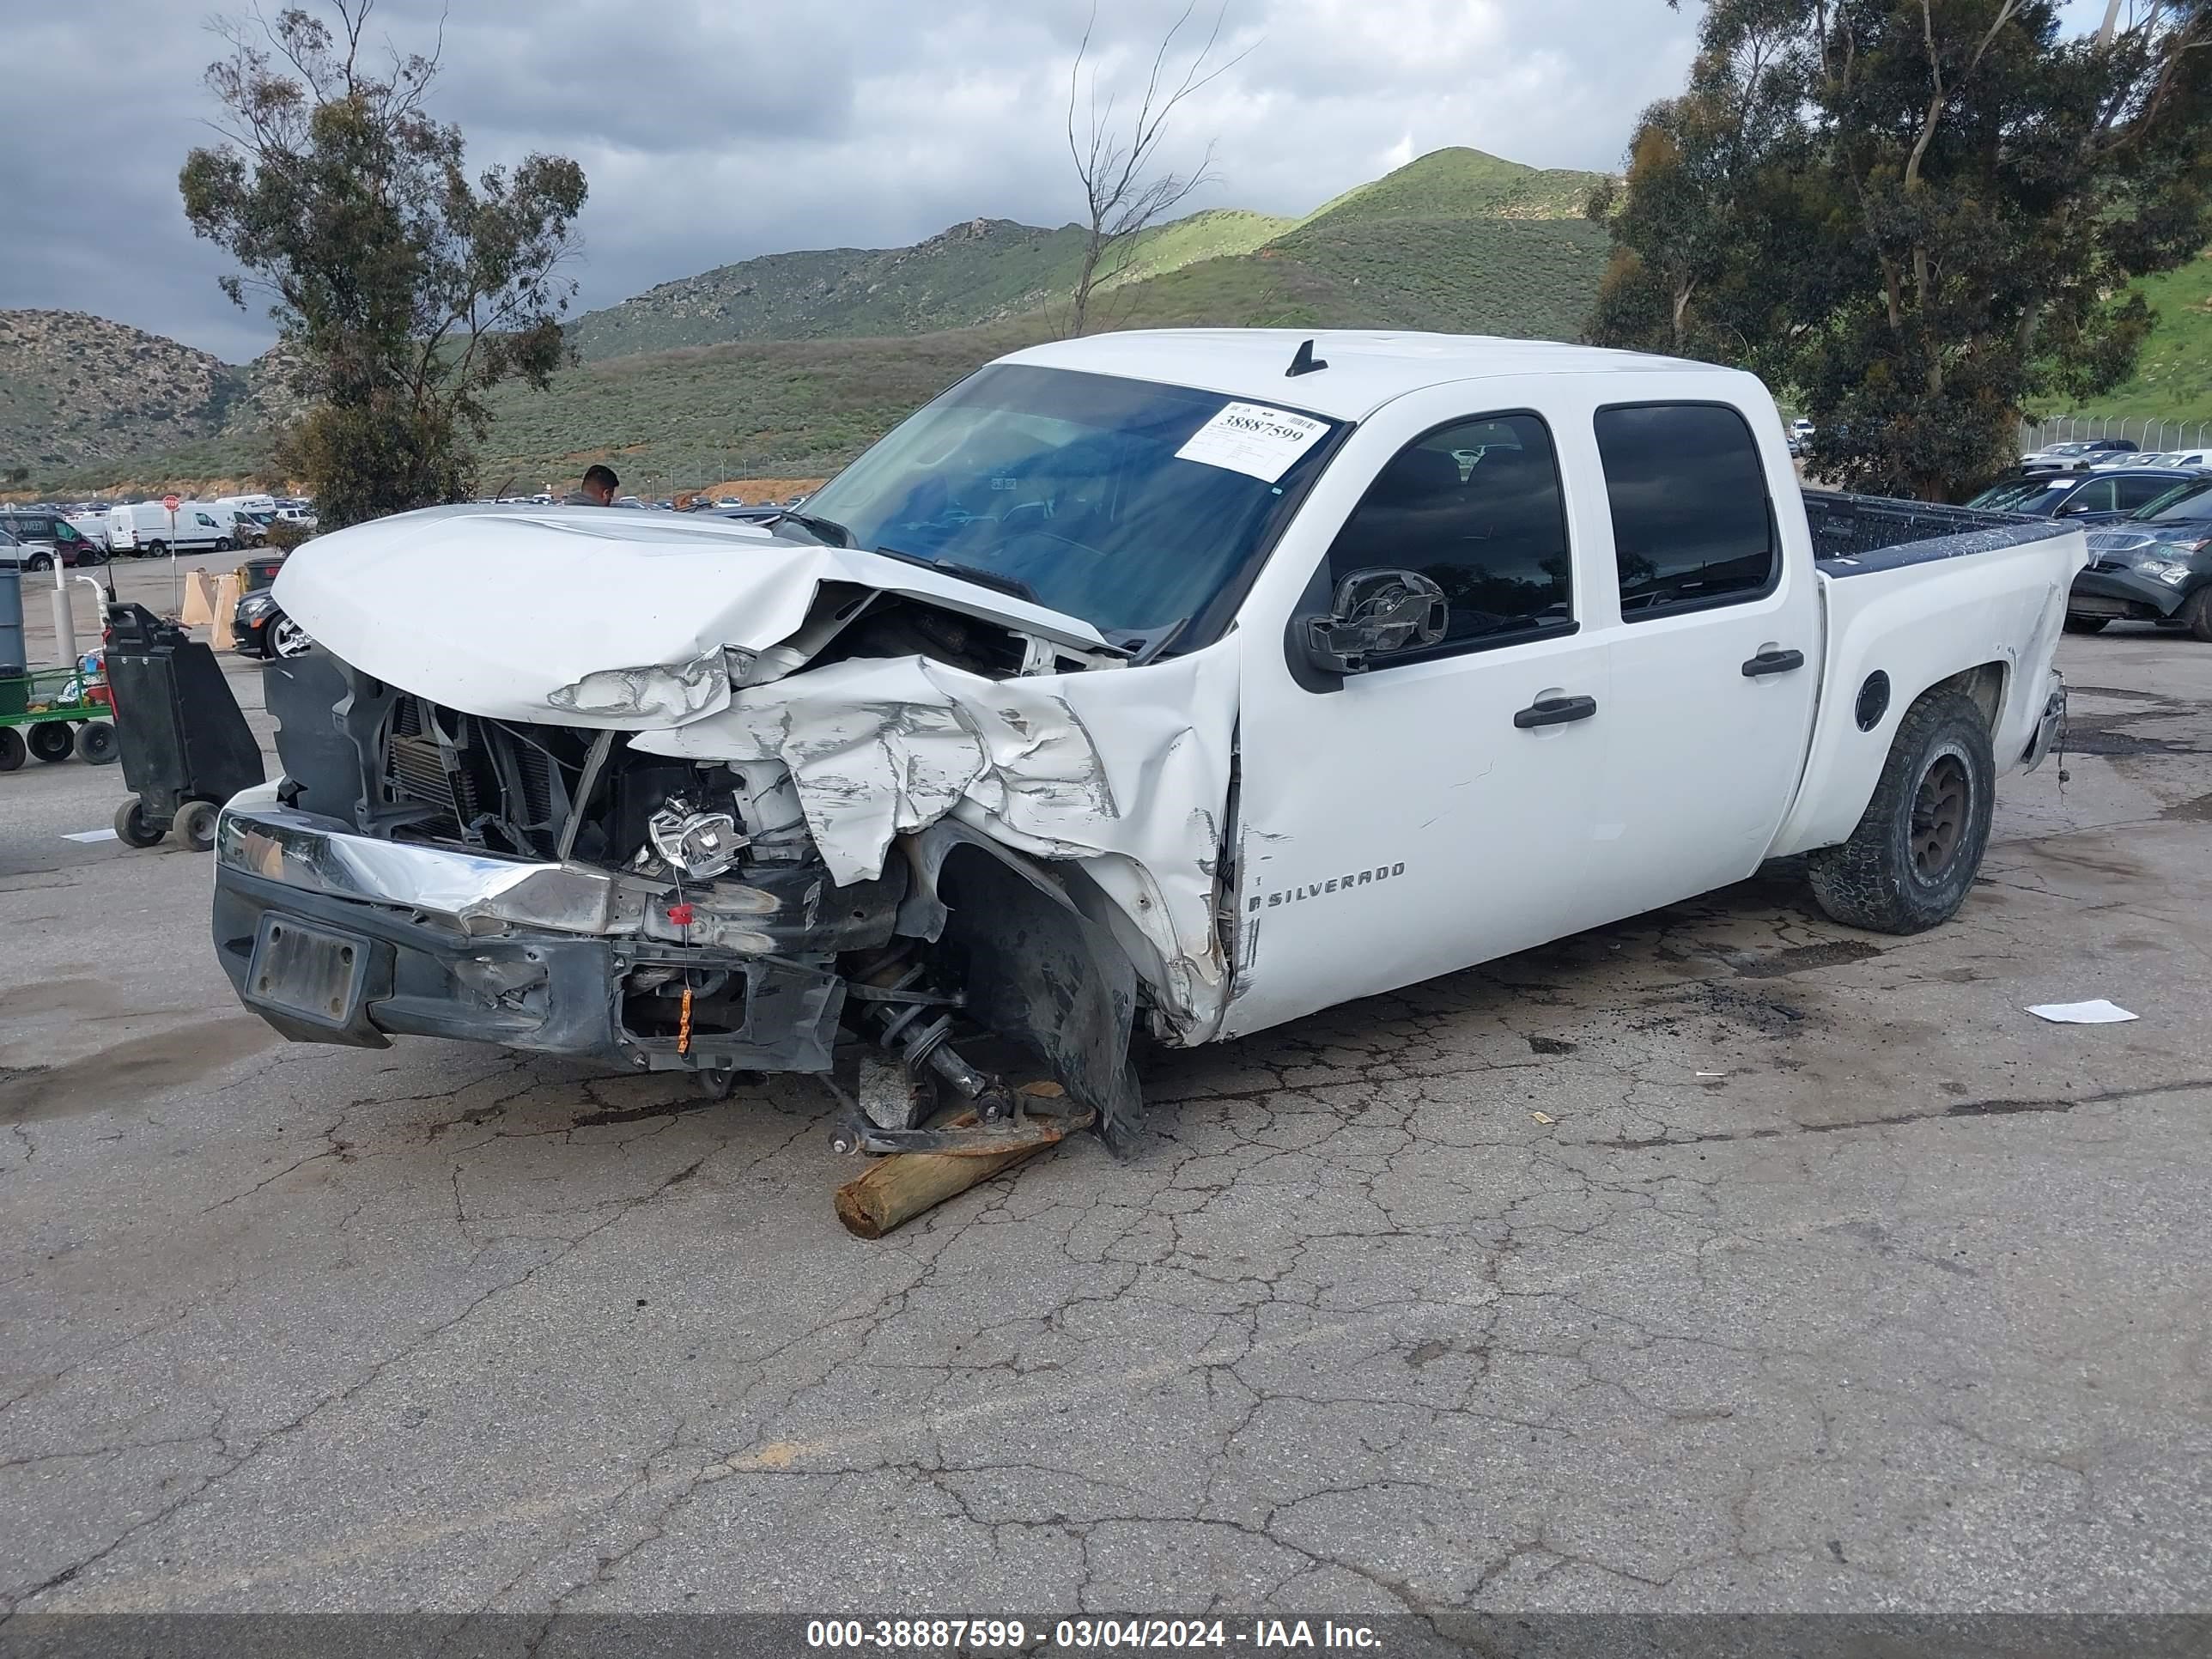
1254	439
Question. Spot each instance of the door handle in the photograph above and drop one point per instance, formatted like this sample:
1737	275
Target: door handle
1555	711
1773	662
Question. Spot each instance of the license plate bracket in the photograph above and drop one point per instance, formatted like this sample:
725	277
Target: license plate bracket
309	973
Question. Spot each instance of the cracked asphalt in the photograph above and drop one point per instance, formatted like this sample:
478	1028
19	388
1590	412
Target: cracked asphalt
1725	1258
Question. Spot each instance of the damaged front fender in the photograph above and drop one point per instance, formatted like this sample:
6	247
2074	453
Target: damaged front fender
1123	774
1032	966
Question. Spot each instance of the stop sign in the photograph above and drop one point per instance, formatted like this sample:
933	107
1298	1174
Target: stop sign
172	502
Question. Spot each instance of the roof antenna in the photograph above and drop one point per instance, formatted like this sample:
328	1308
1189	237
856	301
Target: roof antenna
1304	362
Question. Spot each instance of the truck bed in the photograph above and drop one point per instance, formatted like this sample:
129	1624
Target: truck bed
1854	534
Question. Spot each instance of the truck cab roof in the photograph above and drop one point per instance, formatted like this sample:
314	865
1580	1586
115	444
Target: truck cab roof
1365	368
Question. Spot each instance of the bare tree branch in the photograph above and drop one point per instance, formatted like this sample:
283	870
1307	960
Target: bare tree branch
1122	195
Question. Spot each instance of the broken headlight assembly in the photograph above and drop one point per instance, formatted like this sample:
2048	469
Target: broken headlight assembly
699	844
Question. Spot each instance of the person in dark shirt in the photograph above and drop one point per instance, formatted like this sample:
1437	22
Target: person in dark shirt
597	488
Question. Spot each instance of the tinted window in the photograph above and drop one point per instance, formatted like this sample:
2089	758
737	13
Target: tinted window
2096	496
1690	521
1476	508
2183	503
2140	492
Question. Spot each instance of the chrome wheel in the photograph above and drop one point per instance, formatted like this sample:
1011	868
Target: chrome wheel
287	638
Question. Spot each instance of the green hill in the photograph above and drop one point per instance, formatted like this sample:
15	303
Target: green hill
1462	183
973	273
77	389
1457	239
2172	382
789	364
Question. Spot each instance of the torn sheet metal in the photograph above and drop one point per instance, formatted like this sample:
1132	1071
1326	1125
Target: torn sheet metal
510	615
1126	773
508	612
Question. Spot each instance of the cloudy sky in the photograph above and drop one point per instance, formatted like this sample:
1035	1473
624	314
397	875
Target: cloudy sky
712	131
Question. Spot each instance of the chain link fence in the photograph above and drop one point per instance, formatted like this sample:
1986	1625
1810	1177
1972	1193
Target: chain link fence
2151	436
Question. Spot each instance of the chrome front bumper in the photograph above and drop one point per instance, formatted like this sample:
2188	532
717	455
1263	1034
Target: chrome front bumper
335	937
472	893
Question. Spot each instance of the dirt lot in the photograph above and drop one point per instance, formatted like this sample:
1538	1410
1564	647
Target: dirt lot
1724	1259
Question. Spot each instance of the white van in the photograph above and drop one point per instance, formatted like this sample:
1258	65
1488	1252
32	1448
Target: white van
145	527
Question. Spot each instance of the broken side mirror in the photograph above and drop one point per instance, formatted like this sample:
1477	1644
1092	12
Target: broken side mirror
1376	613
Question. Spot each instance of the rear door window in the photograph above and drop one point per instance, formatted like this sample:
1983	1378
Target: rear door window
2182	503
1692	527
2133	493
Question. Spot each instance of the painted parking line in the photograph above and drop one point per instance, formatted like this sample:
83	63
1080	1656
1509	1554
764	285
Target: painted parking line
91	834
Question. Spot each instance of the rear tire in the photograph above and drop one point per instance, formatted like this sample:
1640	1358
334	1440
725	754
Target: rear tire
195	825
96	744
2086	624
52	741
11	749
2197	615
1912	861
131	827
154	550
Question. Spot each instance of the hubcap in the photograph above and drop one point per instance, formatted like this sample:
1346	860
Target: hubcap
1939	816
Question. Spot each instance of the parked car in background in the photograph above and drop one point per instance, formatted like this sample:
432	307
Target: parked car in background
48	538
2195	460
2077	455
2090	495
258	624
2155	565
91	524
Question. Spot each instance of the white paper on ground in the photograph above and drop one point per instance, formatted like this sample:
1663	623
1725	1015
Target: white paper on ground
1254	439
2100	1012
91	834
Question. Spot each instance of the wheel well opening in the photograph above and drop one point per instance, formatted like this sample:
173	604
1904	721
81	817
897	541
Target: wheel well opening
1985	684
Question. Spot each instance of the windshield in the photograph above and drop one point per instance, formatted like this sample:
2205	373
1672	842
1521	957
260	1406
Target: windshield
2039	496
2009	495
1083	490
2184	501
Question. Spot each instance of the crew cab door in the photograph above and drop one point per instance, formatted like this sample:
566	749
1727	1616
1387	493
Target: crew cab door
1445	806
1716	647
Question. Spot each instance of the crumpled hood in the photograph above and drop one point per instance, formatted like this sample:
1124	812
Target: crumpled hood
535	614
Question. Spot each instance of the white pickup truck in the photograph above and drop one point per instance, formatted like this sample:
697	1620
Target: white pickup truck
1183	683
